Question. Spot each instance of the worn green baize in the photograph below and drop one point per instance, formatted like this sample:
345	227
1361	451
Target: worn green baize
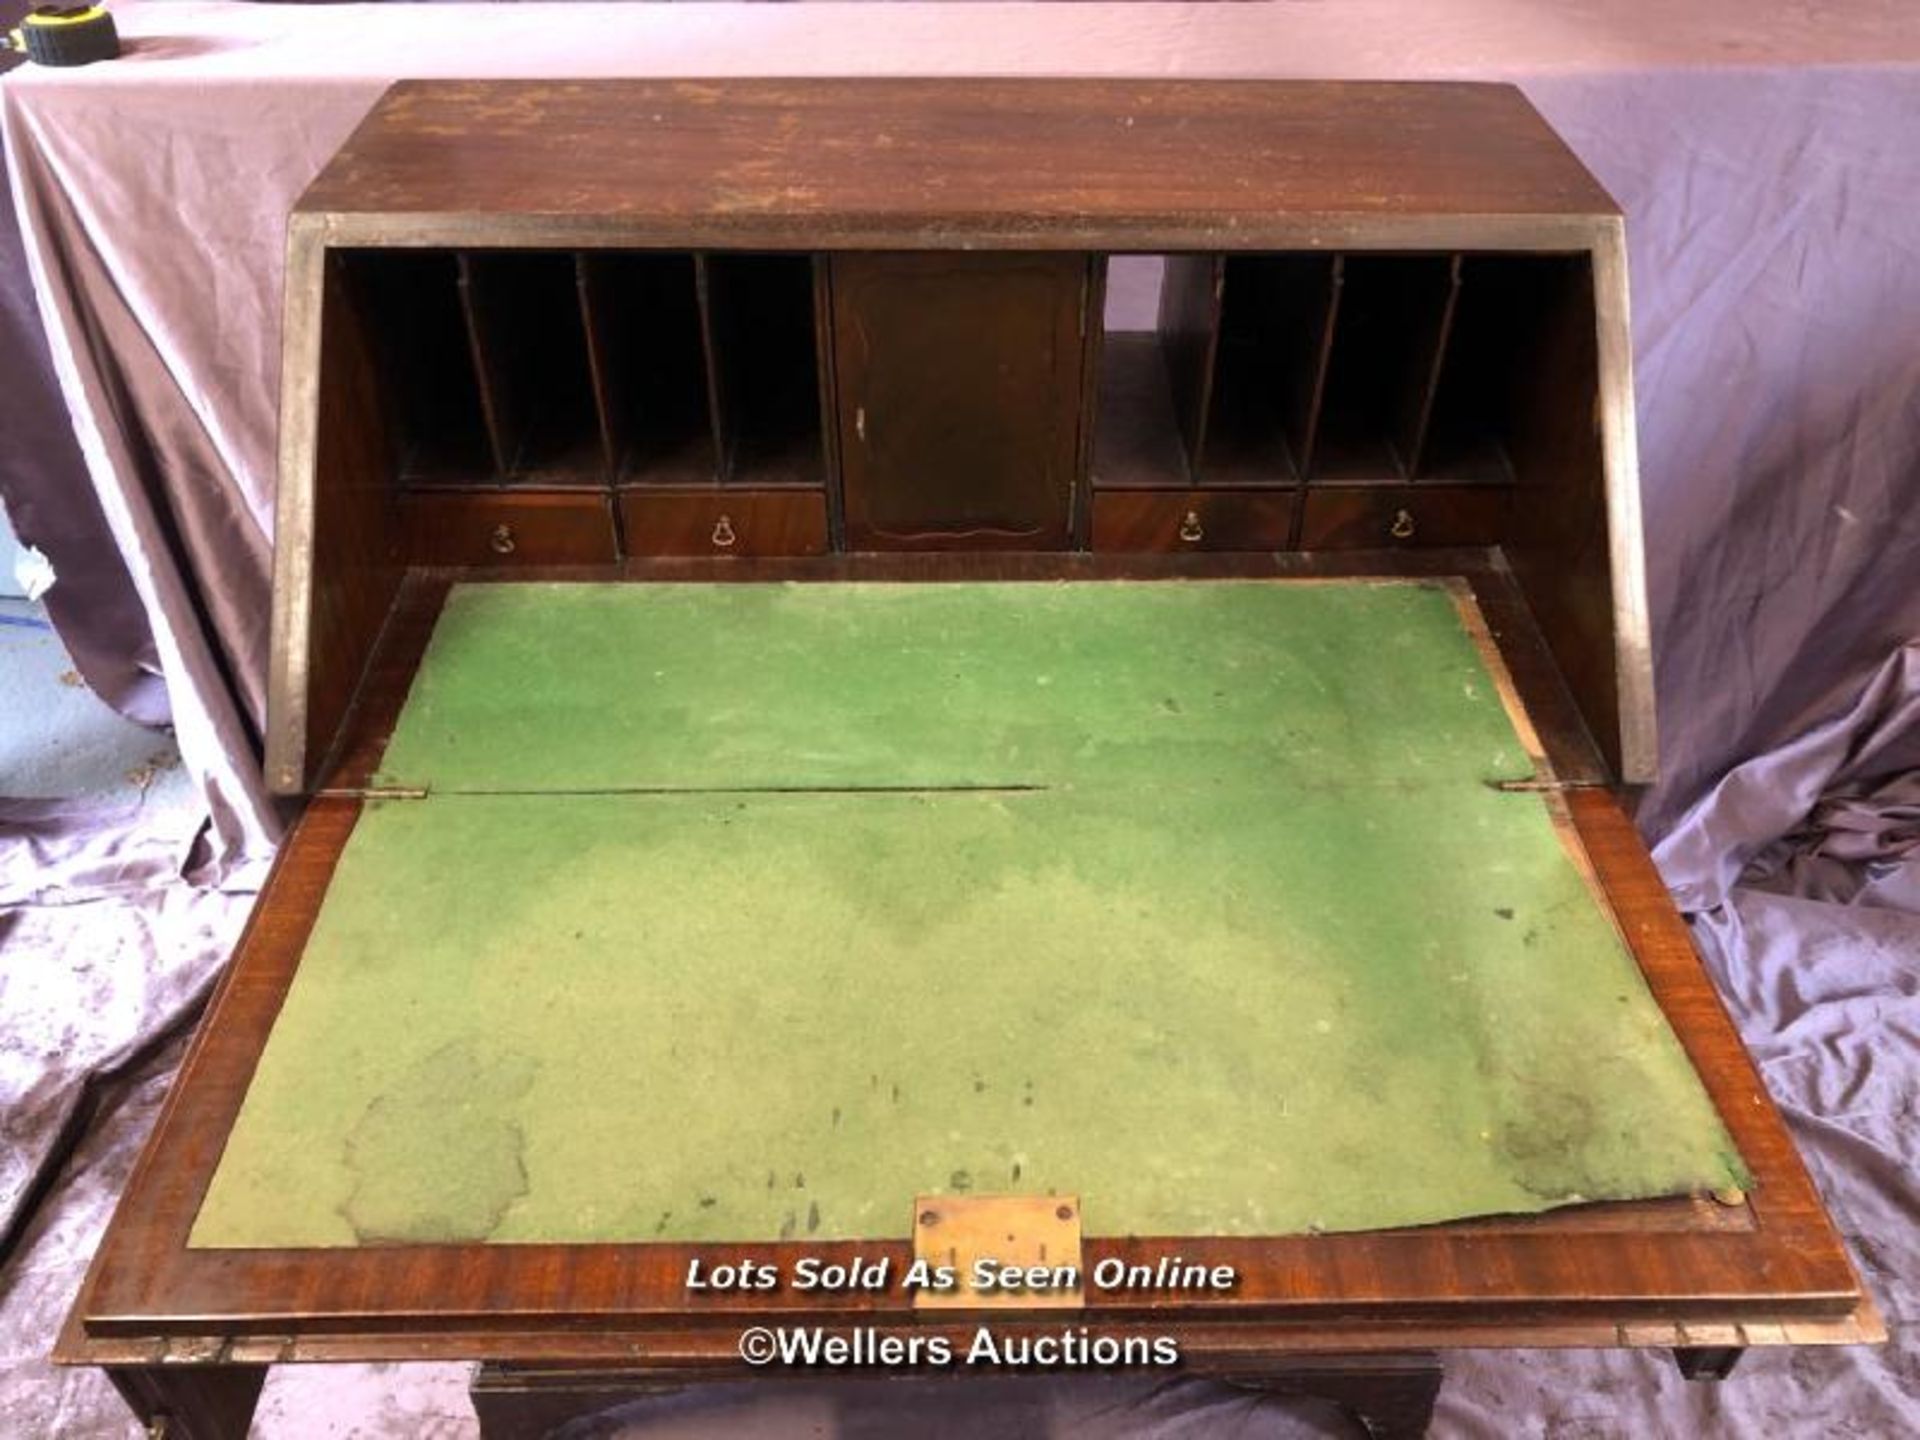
749	911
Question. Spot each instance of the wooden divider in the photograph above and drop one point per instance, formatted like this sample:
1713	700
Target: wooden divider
1189	338
1276	326
408	303
530	353
647	351
555	370
1381	389
1394	313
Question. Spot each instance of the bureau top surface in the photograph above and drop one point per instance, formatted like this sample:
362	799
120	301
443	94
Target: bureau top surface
903	162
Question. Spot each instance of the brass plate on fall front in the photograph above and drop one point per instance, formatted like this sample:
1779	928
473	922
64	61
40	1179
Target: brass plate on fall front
1026	1246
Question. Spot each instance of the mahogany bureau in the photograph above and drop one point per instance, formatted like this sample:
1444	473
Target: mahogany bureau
856	332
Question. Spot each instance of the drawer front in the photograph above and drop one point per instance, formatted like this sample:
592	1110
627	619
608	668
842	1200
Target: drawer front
511	529
724	522
1371	518
1197	520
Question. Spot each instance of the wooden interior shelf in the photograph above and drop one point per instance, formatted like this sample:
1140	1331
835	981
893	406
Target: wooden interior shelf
1274	370
763	346
689	373
543	369
1277	317
1391	320
1410	376
648	349
530	352
1519	336
548	406
424	363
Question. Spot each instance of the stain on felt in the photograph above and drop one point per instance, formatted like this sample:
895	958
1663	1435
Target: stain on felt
1548	1145
440	1158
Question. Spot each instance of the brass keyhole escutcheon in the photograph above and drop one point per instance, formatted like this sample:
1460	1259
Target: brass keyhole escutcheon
1190	529
723	536
501	541
1402	527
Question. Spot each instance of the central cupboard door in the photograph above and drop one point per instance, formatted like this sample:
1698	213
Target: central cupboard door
959	396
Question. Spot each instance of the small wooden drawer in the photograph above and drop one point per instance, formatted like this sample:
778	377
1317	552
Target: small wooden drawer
1381	517
724	522
1199	520
521	528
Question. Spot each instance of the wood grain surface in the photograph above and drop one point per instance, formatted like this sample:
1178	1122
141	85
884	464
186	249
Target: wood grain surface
909	163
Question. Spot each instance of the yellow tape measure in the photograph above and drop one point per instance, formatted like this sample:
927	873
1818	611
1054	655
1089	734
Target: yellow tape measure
66	35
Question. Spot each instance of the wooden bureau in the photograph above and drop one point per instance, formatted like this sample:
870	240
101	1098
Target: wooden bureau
858	330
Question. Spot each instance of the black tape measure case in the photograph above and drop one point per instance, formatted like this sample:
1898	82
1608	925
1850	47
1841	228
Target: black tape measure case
66	35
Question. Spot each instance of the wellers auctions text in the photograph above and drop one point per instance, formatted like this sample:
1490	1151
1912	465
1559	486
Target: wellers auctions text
1067	1348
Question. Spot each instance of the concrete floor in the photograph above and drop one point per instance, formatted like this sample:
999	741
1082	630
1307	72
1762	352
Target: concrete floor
58	741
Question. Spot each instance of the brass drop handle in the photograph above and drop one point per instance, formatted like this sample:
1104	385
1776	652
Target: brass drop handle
1402	527
1190	528
501	541
723	536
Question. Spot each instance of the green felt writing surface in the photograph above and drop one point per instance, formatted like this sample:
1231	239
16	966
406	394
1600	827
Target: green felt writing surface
1360	997
584	687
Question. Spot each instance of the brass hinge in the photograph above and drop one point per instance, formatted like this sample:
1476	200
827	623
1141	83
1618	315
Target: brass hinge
374	792
1543	787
